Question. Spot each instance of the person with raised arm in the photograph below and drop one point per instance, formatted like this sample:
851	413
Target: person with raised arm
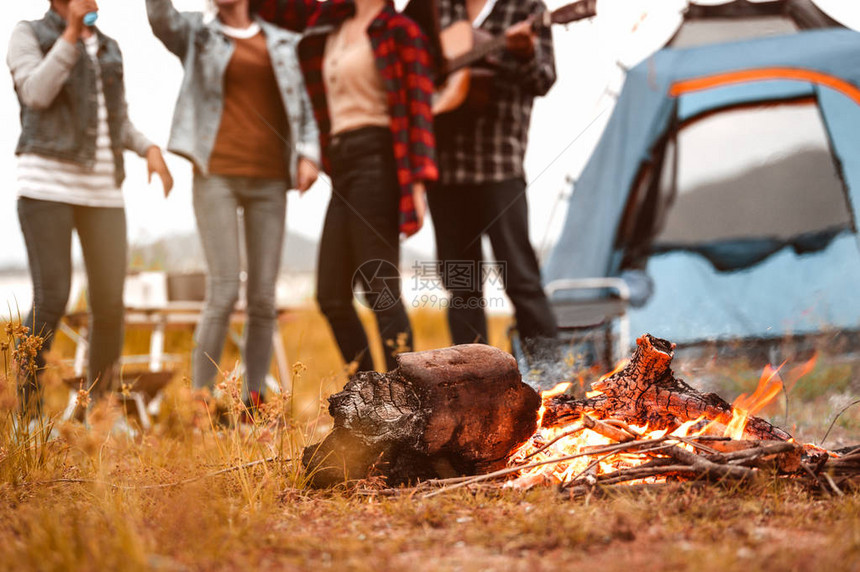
74	128
369	71
244	120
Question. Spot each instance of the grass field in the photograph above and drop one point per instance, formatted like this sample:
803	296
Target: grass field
92	500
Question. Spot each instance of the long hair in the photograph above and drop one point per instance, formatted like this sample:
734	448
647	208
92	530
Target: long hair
425	13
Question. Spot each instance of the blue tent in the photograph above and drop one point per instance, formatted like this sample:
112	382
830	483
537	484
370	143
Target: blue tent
730	174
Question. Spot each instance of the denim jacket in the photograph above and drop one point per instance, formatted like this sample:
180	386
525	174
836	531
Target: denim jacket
56	87
205	52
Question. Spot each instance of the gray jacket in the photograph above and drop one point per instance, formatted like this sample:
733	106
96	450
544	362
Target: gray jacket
205	52
56	86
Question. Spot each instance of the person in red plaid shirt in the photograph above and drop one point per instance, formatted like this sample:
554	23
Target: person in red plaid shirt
482	189
369	72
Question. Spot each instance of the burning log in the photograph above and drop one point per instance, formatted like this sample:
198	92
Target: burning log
453	411
646	392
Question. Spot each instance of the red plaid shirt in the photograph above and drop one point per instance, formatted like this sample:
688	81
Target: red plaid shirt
403	58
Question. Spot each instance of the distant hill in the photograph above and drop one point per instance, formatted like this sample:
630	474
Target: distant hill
183	253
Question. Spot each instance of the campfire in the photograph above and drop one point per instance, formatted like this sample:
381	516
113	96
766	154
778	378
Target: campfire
641	424
464	411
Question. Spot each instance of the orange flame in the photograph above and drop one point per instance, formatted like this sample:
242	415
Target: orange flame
557	390
618	367
793	376
547	395
599	383
745	406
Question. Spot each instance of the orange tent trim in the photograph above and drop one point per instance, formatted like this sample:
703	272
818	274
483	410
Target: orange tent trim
764	74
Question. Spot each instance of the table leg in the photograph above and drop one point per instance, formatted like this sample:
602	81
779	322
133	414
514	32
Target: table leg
284	376
156	345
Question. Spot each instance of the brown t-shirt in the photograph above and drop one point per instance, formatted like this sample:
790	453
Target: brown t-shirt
254	129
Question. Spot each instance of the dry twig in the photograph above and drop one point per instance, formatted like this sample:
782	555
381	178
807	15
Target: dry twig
511	470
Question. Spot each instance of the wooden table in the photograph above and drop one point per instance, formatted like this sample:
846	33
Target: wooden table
173	315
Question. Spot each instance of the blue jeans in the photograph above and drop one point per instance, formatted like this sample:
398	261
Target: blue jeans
47	227
216	203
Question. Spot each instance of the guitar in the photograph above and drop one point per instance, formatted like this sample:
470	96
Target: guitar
463	46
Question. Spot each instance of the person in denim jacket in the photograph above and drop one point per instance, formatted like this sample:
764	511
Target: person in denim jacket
245	122
74	130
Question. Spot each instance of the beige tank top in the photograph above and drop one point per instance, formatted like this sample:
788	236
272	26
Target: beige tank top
354	90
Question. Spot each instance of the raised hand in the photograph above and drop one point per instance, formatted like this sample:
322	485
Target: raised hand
75	18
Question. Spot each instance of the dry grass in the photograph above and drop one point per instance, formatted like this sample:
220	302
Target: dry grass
86	501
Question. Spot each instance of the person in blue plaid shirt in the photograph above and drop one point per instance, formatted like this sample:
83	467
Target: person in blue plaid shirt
482	189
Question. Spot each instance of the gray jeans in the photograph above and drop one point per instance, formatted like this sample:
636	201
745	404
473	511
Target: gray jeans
47	228
216	203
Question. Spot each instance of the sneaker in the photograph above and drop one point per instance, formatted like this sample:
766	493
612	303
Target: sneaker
251	409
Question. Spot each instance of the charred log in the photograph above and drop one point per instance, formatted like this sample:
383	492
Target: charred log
646	392
455	411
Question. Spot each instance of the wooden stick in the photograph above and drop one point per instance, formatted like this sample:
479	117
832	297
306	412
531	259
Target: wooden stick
624	427
504	472
554	441
708	468
634	473
694	443
757	452
596	462
606	429
832	484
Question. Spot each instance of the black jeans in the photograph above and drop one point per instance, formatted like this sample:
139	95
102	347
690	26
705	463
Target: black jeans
47	227
360	245
462	214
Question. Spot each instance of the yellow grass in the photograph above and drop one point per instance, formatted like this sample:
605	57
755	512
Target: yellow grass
89	500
